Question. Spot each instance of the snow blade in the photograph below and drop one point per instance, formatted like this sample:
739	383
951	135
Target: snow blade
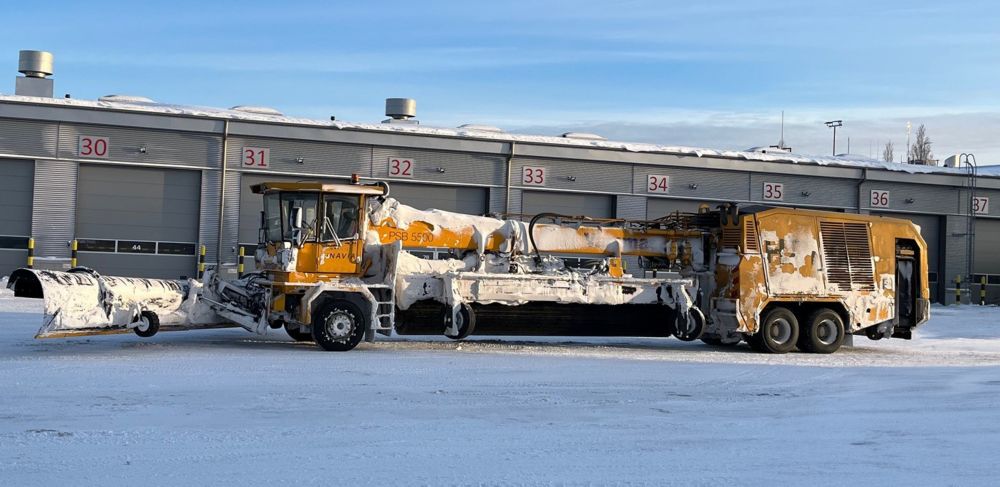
82	302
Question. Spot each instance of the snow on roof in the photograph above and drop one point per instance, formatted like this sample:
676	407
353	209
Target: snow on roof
473	132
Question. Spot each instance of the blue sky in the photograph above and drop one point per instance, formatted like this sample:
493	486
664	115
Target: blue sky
711	74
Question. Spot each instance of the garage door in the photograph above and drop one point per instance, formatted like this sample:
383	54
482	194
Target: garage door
592	205
930	229
16	182
660	207
460	199
140	222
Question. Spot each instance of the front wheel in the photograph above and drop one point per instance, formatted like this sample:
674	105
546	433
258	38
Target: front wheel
778	332
823	332
338	326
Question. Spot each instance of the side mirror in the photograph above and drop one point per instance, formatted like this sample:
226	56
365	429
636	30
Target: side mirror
296	225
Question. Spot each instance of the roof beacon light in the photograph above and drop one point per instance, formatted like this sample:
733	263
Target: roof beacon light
355	179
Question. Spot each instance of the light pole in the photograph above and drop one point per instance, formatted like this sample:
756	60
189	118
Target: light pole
834	124
907	142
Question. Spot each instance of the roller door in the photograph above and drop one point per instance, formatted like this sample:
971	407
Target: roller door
987	262
459	199
930	229
140	222
659	207
592	205
16	182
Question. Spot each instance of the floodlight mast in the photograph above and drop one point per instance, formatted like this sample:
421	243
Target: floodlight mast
834	124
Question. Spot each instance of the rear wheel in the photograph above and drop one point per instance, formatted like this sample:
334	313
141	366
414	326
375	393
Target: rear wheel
466	321
823	332
778	333
297	334
338	326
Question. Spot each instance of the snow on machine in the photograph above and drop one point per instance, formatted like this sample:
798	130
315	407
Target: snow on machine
338	263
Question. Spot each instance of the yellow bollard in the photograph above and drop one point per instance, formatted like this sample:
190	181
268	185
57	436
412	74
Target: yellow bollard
31	253
958	289
72	254
201	262
239	266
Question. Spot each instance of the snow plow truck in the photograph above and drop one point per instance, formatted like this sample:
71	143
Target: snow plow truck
338	264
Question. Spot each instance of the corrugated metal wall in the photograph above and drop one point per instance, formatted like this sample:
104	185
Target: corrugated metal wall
577	175
28	138
803	190
53	220
208	226
163	147
697	183
319	158
458	167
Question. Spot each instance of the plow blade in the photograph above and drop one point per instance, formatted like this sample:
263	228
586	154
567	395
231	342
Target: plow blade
81	302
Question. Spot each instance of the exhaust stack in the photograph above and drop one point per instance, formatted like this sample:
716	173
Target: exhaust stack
400	110
36	66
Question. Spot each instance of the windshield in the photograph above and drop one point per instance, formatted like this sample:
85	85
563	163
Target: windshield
341	217
306	201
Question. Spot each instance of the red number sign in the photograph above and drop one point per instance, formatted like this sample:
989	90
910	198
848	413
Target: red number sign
258	157
533	176
96	147
657	184
400	167
880	199
981	205
774	191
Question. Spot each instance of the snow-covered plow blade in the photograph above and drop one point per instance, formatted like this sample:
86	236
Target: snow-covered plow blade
82	302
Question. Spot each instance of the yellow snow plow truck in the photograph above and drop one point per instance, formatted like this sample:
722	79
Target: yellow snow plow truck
338	264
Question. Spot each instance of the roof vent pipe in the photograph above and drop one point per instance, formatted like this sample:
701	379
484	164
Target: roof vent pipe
36	67
400	110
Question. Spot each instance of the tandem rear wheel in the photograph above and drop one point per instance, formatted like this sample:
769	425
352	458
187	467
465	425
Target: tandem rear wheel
822	332
778	333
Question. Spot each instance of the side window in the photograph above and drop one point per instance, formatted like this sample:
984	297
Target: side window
341	216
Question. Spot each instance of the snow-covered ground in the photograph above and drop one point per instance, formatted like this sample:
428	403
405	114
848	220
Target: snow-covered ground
225	407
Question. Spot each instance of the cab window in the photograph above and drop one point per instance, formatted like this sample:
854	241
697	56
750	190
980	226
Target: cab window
340	217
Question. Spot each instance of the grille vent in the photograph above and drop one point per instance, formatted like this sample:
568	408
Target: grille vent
731	237
848	256
751	240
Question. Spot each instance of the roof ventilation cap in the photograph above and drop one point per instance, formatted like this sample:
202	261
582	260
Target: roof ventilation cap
34	64
400	110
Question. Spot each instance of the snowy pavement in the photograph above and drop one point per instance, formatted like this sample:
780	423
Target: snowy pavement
225	407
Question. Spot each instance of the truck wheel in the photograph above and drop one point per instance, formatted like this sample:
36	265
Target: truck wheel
778	333
823	332
148	325
338	326
297	334
466	321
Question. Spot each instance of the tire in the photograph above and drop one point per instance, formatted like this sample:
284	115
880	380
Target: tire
297	334
467	317
338	326
823	332
149	324
690	325
778	333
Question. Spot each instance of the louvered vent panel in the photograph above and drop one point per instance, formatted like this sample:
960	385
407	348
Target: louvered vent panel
751	239
848	256
731	237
